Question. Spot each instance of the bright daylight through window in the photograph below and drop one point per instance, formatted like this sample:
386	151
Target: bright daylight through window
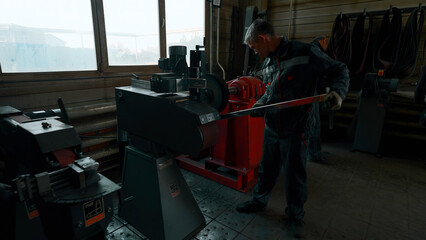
185	23
46	35
132	31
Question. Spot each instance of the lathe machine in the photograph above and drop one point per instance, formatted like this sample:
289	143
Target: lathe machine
50	190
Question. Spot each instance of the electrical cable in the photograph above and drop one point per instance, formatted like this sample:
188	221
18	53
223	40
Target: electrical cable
340	40
410	43
217	45
360	43
387	42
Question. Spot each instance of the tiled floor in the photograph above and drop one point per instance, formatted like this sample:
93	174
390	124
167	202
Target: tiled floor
358	196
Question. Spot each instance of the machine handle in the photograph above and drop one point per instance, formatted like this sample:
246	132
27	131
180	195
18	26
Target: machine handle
64	114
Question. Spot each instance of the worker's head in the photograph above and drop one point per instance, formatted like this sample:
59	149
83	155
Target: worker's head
259	37
322	40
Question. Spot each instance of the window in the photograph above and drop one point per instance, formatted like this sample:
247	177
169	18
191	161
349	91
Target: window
46	35
132	32
58	35
185	23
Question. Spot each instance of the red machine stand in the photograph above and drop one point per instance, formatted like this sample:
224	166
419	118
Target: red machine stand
234	160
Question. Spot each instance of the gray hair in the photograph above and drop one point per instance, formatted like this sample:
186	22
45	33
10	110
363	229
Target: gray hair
258	27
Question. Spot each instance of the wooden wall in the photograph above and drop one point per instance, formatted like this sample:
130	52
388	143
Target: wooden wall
311	18
225	22
225	36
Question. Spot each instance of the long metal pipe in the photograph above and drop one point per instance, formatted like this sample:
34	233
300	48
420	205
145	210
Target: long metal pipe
217	47
211	37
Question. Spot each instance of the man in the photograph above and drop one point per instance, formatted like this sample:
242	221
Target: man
290	72
314	151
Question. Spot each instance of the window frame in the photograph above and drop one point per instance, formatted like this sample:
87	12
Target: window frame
103	67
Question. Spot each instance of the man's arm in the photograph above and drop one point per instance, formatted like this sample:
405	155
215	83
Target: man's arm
333	70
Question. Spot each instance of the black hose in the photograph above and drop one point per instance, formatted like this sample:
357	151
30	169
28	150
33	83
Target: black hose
340	40
360	40
387	43
410	42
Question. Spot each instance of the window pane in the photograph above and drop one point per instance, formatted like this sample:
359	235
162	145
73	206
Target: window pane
185	23
46	35
132	32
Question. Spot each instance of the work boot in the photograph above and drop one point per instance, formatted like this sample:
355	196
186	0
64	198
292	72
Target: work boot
250	206
298	227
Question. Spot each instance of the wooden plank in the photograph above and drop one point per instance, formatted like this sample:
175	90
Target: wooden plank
60	86
327	12
48	76
312	19
49	100
305	5
333	10
306	34
283	18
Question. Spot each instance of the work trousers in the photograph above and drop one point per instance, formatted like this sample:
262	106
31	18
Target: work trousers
314	139
7	213
290	153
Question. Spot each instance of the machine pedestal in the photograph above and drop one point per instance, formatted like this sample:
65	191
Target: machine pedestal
155	198
370	120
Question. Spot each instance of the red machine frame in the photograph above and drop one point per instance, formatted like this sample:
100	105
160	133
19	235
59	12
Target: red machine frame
234	160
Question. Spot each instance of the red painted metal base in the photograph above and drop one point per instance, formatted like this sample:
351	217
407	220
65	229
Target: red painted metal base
234	160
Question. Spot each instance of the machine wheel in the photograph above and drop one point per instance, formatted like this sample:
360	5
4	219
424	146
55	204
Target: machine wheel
217	92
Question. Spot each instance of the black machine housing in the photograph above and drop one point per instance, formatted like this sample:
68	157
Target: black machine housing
57	192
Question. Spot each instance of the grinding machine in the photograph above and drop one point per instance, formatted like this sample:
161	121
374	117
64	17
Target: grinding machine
52	191
176	115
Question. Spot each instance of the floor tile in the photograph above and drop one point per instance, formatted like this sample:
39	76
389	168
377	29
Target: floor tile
213	207
123	233
215	230
235	220
346	227
358	196
377	232
241	237
265	228
192	178
113	225
208	187
231	195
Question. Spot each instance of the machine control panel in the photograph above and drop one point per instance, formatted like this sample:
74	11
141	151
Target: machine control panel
210	117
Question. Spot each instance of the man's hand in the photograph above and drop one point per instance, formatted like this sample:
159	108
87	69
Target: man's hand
257	113
333	100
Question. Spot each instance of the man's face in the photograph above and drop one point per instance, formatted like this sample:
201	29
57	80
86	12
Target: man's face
259	46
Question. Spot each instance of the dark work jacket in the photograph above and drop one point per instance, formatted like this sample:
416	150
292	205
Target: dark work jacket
323	83
291	72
